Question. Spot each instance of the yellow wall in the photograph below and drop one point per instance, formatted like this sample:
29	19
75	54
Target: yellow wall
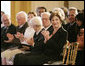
78	4
17	6
50	5
27	6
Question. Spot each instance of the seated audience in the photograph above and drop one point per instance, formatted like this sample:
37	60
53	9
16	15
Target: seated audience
22	25
52	47
15	39
41	36
37	40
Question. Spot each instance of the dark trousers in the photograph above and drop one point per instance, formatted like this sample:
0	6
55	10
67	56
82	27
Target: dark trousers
30	59
80	58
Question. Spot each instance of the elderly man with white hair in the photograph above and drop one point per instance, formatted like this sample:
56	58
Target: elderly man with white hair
71	27
8	28
46	22
21	18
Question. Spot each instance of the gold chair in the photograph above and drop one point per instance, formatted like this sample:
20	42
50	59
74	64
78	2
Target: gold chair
63	54
69	55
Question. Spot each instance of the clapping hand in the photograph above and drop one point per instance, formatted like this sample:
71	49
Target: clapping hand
30	41
20	36
46	35
25	48
10	38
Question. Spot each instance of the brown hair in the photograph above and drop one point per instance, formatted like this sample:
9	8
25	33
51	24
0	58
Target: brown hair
32	13
41	8
55	14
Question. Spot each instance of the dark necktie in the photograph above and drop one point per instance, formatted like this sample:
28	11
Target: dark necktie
5	30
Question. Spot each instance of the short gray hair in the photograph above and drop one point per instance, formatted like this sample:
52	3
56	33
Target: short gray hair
73	8
24	14
7	16
36	21
47	13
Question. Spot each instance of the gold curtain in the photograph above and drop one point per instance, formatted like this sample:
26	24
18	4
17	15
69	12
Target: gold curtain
17	6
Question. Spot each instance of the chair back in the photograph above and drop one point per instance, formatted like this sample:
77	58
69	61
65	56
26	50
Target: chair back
70	53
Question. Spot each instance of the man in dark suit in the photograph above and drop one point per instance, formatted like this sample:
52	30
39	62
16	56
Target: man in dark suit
22	21
8	28
20	29
71	27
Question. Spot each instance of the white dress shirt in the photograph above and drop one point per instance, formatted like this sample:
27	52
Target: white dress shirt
2	25
48	27
29	33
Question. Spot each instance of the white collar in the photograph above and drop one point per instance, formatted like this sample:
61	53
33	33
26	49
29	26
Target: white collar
48	27
21	26
38	31
6	27
72	23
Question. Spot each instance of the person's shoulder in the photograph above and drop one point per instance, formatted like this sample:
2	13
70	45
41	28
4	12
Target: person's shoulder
26	24
67	24
12	26
51	27
63	30
2	28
